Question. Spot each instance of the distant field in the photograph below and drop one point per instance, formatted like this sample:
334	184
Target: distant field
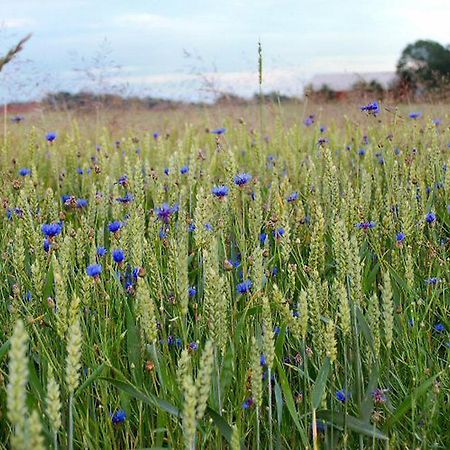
186	279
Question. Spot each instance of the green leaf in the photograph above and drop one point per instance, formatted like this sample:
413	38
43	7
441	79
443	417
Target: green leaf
143	397
4	349
337	419
406	405
364	327
367	403
290	404
319	385
95	375
133	346
221	424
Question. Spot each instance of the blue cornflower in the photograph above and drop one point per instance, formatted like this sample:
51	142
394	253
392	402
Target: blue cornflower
366	225
208	227
218	131
439	327
101	251
248	403
323	128
51	136
193	346
80	171
415	115
127	198
361	152
192	291
191	227
118	417
276	330
437	122
244	287
220	191
47	245
24	171
400	237
263	360
94	270
156	135
343	395
118	255
293	197
123	180
242	179
82	203
430	217
51	229
165	212
184	170
263	238
166	171
309	120
433	281
278	234
163	234
115	226
371	108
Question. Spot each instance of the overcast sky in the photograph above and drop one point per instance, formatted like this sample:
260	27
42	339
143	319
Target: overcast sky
186	48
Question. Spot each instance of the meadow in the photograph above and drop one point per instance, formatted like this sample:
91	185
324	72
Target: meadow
217	279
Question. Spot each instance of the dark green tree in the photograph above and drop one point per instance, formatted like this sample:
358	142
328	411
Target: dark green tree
424	64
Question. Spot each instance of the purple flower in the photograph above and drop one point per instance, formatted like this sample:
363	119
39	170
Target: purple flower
24	171
165	212
379	396
244	287
94	270
118	255
309	120
365	225
248	403
127	198
123	180
220	191
218	131
118	417
293	197
51	136
242	179
361	152
82	203
415	115
371	108
263	238
51	229
193	346
279	233
208	227
156	135
400	237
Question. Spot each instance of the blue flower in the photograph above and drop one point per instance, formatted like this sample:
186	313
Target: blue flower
218	131
343	395
439	327
248	403
242	179
123	180
263	360
24	171
293	197
80	171
415	115
156	135
277	330
166	171
94	270
433	281
220	191
115	226
244	287
193	346
82	203
400	237
361	152
263	238
371	108
51	229
309	120
191	227
118	417
192	291
51	136
437	122
17	119
430	217
101	251
125	199
366	225
47	245
323	128
184	170
118	255
165	212
208	227
278	234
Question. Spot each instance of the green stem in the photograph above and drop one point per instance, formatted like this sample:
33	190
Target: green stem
70	422
269	373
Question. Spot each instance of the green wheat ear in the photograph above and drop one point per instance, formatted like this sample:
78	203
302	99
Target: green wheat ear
12	53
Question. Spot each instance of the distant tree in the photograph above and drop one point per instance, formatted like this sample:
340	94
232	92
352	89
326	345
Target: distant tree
424	64
372	87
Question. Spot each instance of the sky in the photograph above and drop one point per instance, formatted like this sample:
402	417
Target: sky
193	49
